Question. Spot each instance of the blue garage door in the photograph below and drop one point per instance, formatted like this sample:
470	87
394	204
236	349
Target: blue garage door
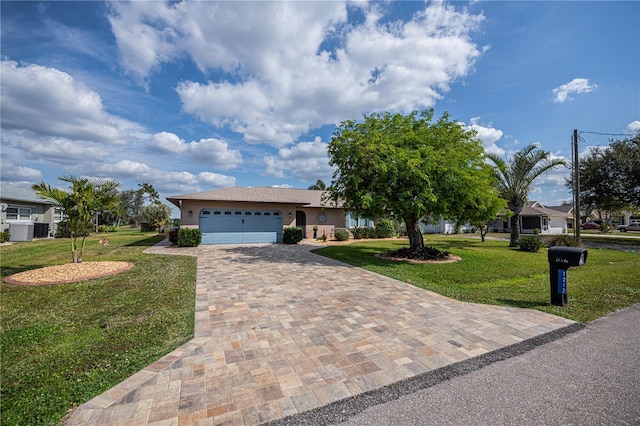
240	226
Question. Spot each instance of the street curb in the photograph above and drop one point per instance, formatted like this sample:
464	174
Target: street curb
342	410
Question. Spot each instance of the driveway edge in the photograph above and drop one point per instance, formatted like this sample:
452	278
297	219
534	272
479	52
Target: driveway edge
342	410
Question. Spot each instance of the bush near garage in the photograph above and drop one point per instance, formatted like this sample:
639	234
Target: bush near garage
529	244
189	237
342	235
385	229
292	235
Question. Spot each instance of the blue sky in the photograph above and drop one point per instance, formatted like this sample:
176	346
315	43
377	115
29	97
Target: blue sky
203	95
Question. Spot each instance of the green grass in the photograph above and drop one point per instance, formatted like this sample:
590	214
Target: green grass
492	273
62	345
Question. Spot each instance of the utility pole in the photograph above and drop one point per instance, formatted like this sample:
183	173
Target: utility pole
576	189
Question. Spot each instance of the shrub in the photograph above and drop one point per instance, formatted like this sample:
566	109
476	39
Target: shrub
342	235
112	228
385	229
189	237
530	244
102	228
358	233
4	236
292	235
173	235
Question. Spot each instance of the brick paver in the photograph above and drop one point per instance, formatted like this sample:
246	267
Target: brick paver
280	331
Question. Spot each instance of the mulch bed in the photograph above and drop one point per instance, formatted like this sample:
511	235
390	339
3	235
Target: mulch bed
68	273
422	255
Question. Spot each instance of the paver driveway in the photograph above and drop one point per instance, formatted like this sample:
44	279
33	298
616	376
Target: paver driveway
280	331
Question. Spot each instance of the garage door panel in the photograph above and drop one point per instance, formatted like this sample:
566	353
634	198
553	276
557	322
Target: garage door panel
237	227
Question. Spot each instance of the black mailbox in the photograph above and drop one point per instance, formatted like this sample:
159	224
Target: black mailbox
561	259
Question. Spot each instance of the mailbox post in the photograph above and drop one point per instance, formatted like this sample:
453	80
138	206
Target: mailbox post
561	259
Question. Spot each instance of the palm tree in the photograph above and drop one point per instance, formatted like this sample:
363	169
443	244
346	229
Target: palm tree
319	185
79	206
515	177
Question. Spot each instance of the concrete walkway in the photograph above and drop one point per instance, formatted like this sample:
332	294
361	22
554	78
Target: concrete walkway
280	331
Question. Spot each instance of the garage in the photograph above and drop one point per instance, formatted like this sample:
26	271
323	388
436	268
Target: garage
226	226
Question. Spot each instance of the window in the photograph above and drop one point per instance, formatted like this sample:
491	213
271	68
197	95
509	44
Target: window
247	213
227	213
257	214
206	212
238	213
267	214
276	213
217	212
18	213
57	214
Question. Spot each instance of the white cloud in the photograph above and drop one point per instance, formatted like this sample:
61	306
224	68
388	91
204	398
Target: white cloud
215	153
634	126
292	67
577	85
211	151
47	101
13	172
164	180
305	161
168	143
488	135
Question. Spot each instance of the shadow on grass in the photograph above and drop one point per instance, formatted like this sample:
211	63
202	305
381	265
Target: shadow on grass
147	242
525	304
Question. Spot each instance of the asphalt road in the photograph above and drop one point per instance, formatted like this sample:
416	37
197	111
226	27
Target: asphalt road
590	377
580	375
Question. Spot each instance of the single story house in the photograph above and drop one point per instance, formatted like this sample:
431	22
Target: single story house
259	214
25	215
535	216
568	209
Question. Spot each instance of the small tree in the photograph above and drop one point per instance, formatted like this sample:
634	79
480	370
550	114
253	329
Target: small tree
408	166
515	176
86	198
157	215
319	185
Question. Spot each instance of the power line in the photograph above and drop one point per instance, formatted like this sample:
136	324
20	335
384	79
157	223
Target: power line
607	134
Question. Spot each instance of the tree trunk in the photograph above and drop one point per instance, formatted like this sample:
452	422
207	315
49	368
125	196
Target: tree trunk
515	230
414	233
483	232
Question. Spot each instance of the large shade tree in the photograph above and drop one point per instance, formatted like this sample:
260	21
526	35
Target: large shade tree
610	177
80	204
409	166
515	176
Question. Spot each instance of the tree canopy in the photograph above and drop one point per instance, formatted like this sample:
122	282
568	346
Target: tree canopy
610	177
515	176
411	167
319	185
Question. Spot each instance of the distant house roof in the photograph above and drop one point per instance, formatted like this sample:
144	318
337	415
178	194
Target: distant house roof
9	191
535	208
305	197
566	208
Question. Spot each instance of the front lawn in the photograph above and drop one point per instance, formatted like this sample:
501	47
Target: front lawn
493	273
62	345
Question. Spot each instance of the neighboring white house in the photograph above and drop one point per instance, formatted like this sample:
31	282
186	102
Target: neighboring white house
536	218
443	226
23	209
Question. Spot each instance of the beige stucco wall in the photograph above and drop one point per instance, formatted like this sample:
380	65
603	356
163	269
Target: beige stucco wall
335	218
